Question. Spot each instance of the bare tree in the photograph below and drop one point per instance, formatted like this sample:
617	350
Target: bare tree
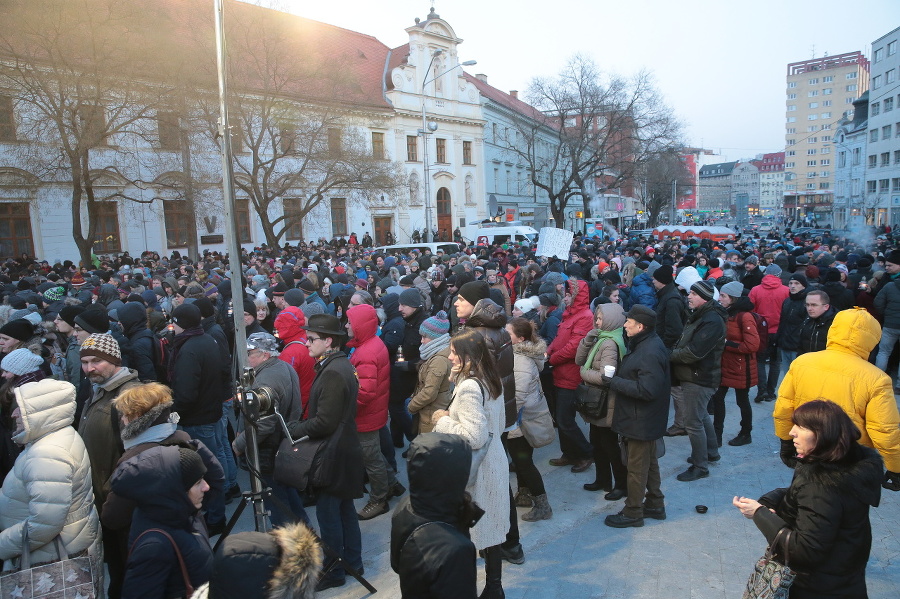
658	174
73	80
296	142
605	128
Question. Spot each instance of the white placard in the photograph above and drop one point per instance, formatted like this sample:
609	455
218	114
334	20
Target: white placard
555	242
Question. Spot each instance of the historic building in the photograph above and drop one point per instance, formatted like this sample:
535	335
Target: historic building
850	166
882	193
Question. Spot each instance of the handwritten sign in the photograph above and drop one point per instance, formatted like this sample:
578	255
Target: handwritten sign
555	242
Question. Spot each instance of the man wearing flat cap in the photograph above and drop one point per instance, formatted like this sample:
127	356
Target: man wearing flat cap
697	366
332	413
640	388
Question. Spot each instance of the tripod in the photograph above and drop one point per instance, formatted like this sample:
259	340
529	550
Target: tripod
252	403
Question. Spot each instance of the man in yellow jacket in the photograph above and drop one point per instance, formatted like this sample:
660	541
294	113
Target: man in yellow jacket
842	373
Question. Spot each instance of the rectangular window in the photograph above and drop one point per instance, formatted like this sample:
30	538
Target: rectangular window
812	140
851	87
811	152
292	211
106	218
791	142
873	135
826	138
467	152
879	55
814	81
792	119
440	145
842	159
825	162
857	156
812	128
15	229
792	96
811	163
884	184
789	165
896	156
287	139
812	93
885	159
792	84
825	174
334	141
810	186
338	216
242	215
886	132
851	75
813	105
890	76
892	48
888	104
826	115
824	185
179	223
791	153
849	101
378	145
791	130
7	124
826	103
827	91
826	127
812	117
871	186
825	150
876	81
828	79
895	184
792	107
412	148
93	125
873	161
168	126
875	108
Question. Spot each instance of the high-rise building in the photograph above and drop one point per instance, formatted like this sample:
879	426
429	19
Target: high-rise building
771	183
882	194
818	91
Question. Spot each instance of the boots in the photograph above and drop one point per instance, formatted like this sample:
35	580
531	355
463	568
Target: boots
523	498
493	570
540	511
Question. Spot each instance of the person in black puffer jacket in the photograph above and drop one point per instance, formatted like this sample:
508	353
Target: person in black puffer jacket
814	330
836	481
430	546
793	313
133	318
166	483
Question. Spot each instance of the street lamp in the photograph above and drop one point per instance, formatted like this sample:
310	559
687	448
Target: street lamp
431	128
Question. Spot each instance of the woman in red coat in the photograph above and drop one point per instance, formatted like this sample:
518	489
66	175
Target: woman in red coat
738	362
295	352
577	321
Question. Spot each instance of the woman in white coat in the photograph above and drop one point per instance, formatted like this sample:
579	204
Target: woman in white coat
476	414
48	492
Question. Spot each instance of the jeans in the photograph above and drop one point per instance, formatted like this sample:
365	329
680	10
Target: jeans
229	464
787	356
211	435
698	424
643	474
387	447
767	385
290	497
678	402
572	441
339	529
527	474
381	478
608	456
889	338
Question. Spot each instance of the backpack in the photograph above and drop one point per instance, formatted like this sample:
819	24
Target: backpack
762	327
162	350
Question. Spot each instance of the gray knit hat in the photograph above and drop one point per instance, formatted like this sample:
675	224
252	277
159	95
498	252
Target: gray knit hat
733	289
21	361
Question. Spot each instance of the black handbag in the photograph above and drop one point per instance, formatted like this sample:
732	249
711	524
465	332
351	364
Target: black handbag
295	464
592	401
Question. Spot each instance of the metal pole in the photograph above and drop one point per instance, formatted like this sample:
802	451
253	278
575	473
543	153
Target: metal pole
427	186
674	181
234	250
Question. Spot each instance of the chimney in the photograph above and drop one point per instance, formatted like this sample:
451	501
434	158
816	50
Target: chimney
481	77
514	93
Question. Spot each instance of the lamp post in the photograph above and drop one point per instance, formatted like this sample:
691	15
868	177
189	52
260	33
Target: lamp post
431	128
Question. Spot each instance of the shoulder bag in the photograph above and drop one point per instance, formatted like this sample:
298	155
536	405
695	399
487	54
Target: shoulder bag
771	579
188	587
592	401
65	576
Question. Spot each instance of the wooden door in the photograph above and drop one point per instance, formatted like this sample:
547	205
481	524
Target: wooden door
444	215
382	226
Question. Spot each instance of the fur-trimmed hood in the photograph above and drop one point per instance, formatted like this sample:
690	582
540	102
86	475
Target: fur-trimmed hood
531	349
286	562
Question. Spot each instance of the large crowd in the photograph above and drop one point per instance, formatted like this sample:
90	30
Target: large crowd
122	433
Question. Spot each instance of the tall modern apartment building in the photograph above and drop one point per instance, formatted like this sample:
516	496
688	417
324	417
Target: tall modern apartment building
819	91
882	194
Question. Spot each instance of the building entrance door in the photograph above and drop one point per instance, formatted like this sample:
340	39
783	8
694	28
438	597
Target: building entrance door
382	226
444	215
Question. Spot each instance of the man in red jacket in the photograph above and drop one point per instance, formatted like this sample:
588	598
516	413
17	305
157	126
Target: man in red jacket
767	298
577	321
373	369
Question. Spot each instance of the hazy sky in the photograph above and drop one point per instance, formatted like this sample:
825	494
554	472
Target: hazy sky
720	65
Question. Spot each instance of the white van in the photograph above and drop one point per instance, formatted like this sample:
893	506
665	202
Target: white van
448	247
501	234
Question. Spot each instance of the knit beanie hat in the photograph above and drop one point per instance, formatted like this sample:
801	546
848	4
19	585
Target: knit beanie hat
19	329
411	298
643	315
293	297
192	467
733	289
104	346
773	269
435	326
385	283
78	279
704	289
664	274
525	305
800	278
21	361
893	257
54	295
474	291
93	320
188	316
205	306
68	313
307	286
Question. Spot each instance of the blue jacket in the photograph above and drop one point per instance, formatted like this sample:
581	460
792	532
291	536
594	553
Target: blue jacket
643	292
152	479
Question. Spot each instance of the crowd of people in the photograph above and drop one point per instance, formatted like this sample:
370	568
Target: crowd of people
122	438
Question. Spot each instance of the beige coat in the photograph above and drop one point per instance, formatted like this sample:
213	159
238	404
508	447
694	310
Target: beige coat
607	355
529	360
433	389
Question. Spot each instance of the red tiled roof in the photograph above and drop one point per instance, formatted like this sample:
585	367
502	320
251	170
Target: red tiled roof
399	56
508	101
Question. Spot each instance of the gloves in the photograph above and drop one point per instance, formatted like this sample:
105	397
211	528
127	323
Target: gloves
891	481
607	379
591	337
788	453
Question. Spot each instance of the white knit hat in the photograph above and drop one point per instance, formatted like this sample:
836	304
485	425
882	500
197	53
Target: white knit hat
21	361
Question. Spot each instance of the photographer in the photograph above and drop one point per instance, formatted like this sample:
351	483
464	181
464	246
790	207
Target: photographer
281	380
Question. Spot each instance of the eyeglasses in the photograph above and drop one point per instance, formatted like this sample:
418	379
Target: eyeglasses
312	340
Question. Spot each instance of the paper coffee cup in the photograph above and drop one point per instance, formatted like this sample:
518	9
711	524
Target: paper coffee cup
609	370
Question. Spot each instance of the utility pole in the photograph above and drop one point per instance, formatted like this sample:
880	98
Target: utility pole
674	185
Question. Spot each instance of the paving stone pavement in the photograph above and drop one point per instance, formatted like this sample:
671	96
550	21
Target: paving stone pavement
575	555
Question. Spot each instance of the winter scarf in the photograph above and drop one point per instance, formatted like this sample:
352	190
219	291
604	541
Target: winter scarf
434	346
